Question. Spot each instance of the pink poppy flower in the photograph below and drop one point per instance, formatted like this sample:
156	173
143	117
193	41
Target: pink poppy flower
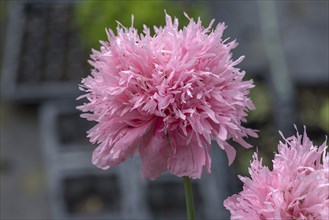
166	97
296	188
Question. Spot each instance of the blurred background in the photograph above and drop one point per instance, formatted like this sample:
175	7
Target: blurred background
45	167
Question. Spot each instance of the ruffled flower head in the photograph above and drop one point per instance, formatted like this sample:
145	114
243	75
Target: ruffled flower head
166	97
296	188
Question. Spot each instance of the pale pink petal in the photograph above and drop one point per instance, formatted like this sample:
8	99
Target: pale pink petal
187	160
154	154
108	155
230	152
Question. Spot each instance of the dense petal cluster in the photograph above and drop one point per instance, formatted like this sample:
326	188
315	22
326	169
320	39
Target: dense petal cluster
296	188
166	96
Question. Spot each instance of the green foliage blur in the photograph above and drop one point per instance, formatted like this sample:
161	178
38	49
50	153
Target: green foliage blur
263	103
260	119
324	116
314	107
93	17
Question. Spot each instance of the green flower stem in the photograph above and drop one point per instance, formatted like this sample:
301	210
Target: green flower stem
189	198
